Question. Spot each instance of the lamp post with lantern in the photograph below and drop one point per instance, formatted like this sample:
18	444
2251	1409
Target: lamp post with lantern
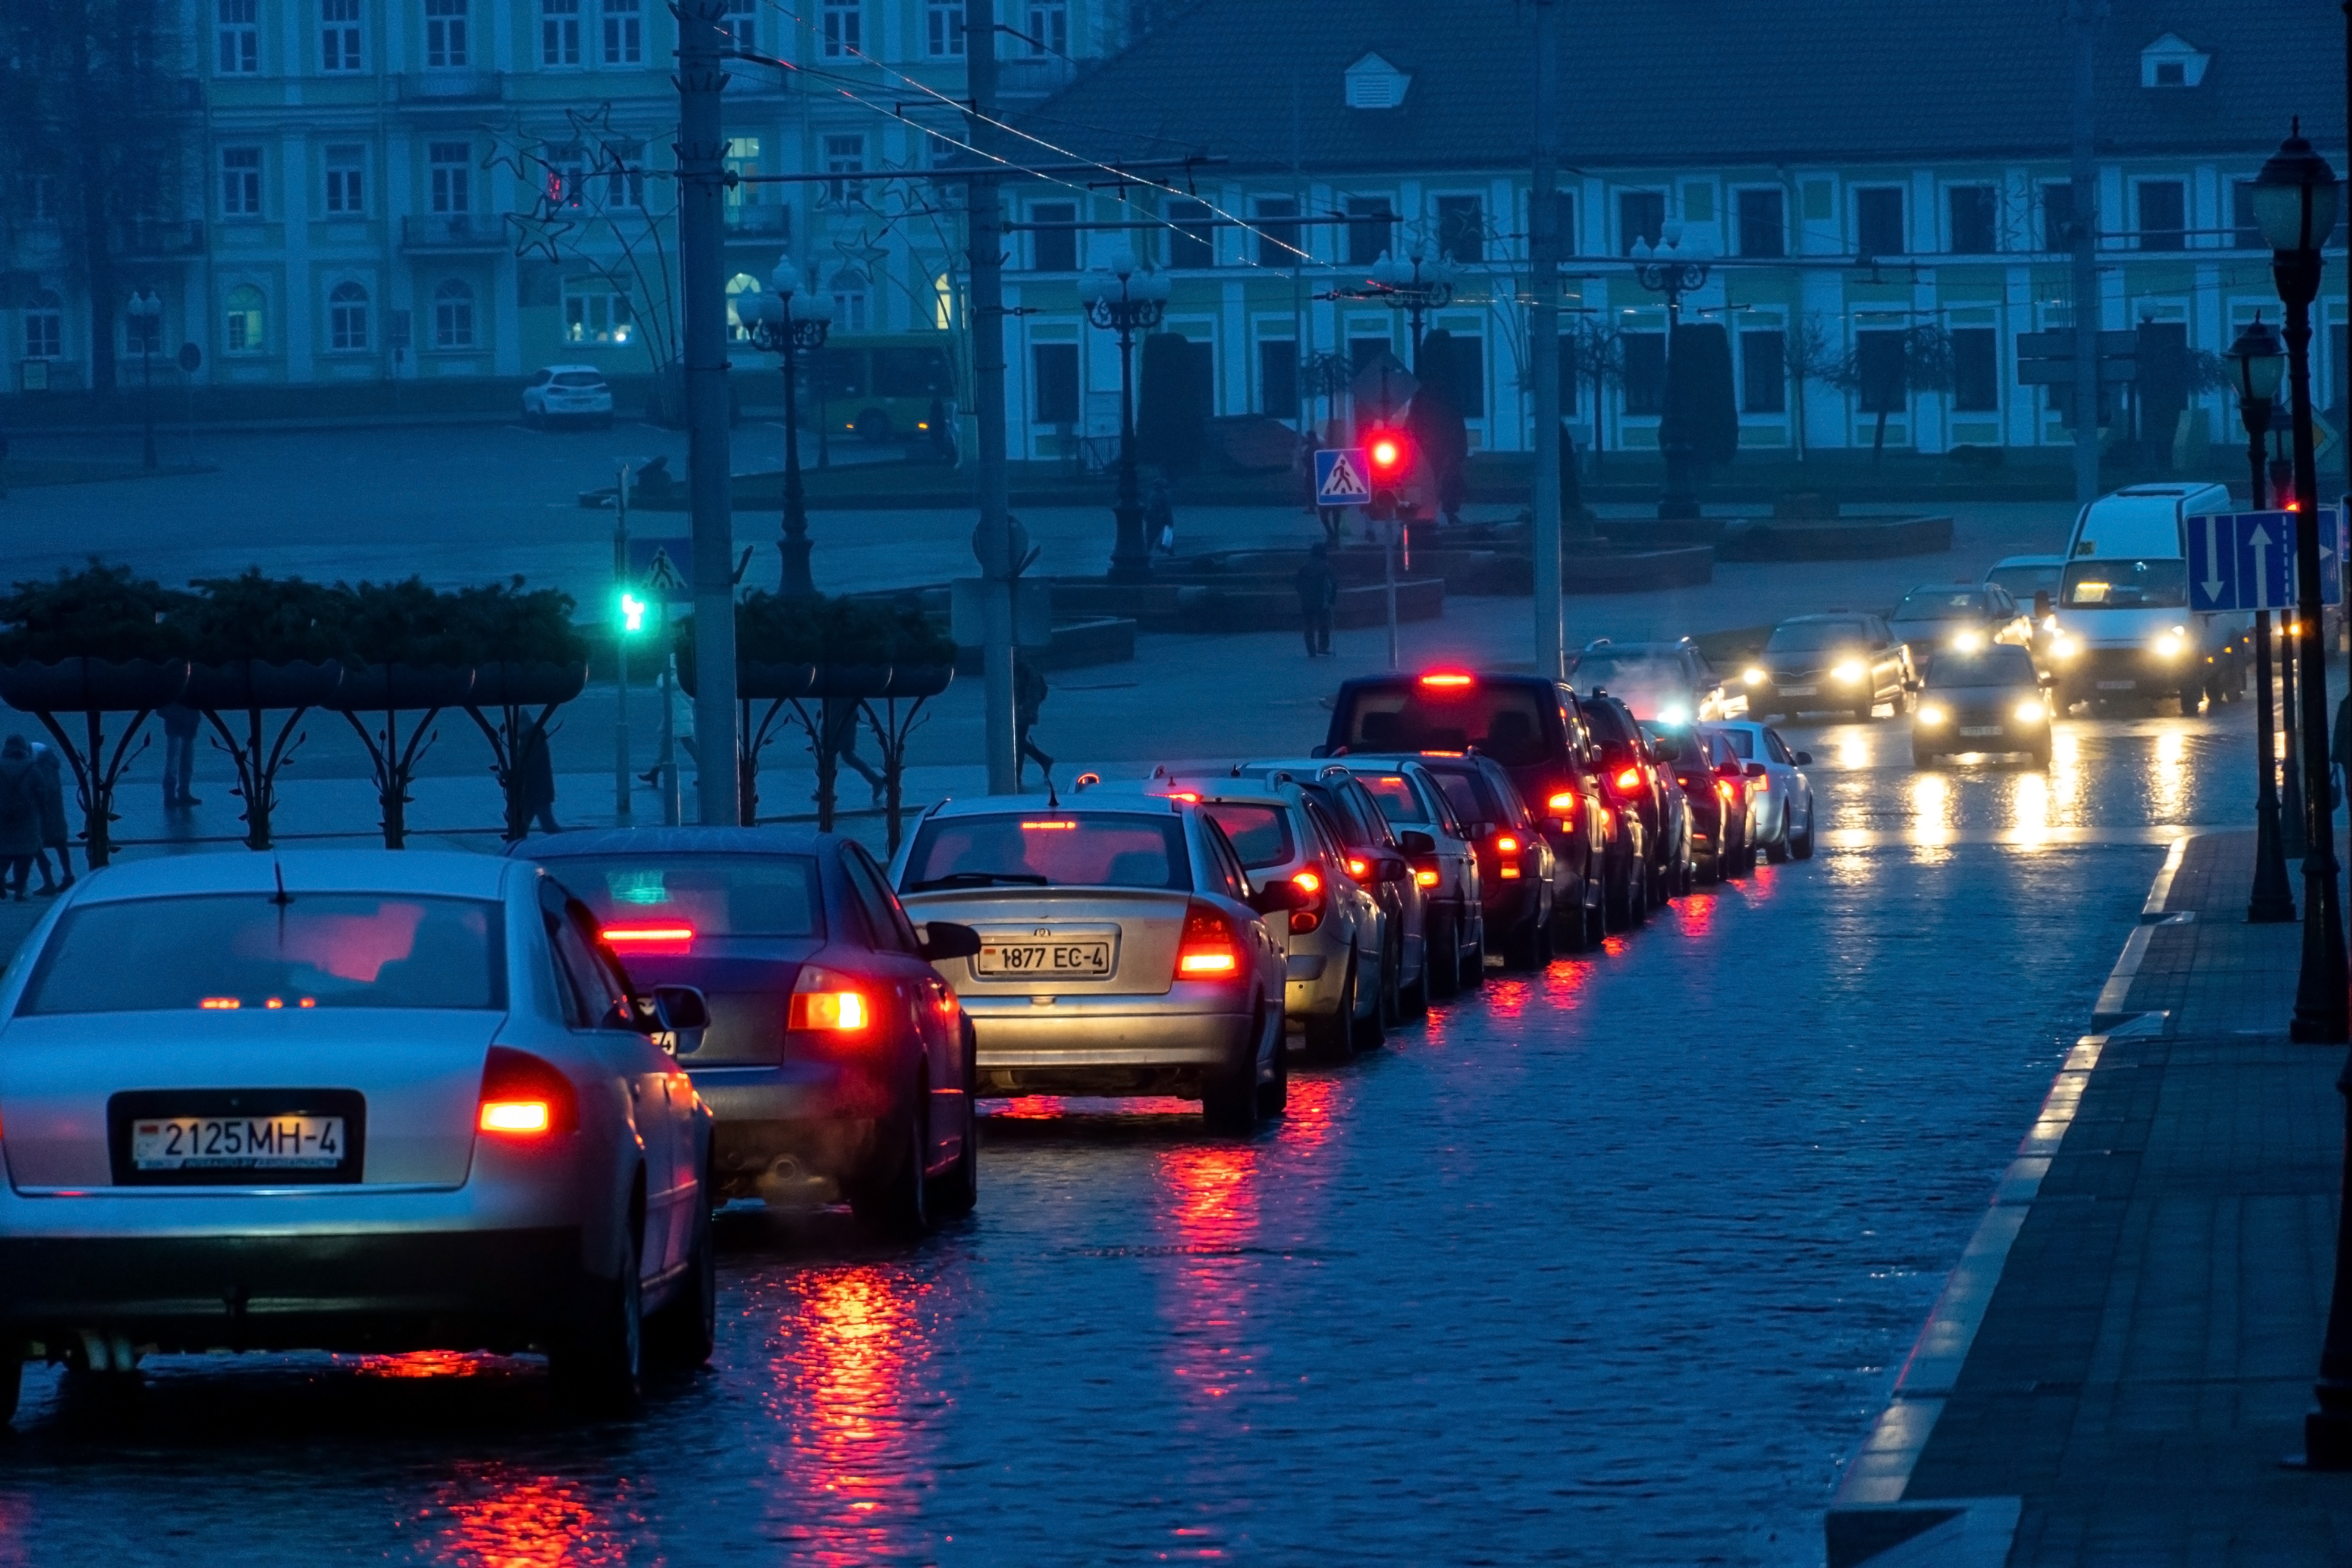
2261	360
1123	298
146	312
1413	283
788	324
1673	269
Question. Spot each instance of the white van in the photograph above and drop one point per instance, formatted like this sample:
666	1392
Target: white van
2126	635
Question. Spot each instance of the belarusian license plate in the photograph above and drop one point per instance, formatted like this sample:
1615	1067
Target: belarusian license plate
1799	690
1079	956
2118	685
237	1143
1979	728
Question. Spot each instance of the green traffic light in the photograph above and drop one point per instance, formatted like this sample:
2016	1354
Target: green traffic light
632	615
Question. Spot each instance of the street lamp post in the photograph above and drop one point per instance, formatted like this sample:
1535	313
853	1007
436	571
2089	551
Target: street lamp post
1674	270
788	331
146	310
2261	359
1415	284
1126	300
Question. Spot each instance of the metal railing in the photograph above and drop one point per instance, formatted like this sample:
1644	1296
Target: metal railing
452	231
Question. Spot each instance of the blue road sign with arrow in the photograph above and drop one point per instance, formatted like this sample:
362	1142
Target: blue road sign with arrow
1342	477
2242	560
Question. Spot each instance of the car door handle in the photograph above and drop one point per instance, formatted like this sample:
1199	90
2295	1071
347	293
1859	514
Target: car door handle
637	1089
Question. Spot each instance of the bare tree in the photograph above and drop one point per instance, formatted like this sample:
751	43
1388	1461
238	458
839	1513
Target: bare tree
1594	354
1894	364
1812	355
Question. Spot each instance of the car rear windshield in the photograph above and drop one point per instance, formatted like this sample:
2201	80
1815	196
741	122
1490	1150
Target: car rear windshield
233	952
715	895
1046	849
1612	730
1999	665
1261	833
583	380
1813	637
1396	797
1471	799
2157	585
1628	668
1939	605
2023	582
1742	742
1504	721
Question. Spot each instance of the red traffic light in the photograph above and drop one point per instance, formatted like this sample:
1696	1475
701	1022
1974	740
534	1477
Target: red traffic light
1389	454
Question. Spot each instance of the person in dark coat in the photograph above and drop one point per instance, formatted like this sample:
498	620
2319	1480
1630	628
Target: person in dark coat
535	781
1318	595
20	815
51	775
180	725
1159	518
1029	691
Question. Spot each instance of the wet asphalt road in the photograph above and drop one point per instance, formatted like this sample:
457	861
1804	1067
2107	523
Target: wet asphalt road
1608	1265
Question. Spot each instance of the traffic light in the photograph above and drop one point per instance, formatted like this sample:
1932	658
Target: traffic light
632	614
1390	455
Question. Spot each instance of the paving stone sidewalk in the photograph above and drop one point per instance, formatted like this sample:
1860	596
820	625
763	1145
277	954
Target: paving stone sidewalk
2145	1359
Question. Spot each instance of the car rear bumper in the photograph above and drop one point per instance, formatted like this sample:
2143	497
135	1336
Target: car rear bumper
774	1128
1119	1045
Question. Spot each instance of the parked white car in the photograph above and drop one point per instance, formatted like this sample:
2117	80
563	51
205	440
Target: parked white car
567	392
1782	823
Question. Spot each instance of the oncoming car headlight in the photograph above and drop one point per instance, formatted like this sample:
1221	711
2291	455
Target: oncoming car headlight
1968	642
1850	671
2172	644
1931	714
1674	713
2028	712
1752	674
2063	647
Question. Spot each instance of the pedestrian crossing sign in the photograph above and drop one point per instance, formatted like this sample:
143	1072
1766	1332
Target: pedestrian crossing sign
659	566
1342	476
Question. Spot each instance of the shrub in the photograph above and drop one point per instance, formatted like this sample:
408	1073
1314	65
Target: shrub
99	612
507	622
275	620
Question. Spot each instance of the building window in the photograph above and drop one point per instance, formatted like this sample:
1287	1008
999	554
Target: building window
1054	250
45	327
346	181
339	35
347	319
445	33
240	182
849	298
944	29
1641	215
1763	372
624	181
1277	378
1972	210
845	155
240	37
453	315
1563	204
1049	30
742	25
2057	218
1462	228
1277	237
2245	234
1878	221
1370	218
558	32
845	28
1643	373
241	325
624	35
451	164
1459	362
1879	372
594	312
1054	382
1976	370
1762	219
1191	243
2163	215
565	176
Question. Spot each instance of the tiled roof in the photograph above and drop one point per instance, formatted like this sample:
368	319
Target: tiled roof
1689	83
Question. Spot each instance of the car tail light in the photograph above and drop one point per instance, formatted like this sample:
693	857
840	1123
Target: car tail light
1446	680
1211	949
1723	789
1359	867
1507	844
525	1097
1608	819
1307	918
826	1003
1562	803
1630	779
1422	877
663	936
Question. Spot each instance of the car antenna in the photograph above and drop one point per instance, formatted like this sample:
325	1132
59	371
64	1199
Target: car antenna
1053	799
282	898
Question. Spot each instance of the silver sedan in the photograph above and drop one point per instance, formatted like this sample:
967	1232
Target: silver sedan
346	1102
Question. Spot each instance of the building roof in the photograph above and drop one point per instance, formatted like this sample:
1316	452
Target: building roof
1687	83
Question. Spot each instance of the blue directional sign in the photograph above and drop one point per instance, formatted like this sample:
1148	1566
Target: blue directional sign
2242	560
1342	477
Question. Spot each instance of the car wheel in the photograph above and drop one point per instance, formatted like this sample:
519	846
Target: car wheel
1391	1009
1801	847
957	1194
874	425
1368	1028
1441	956
1523	949
1229	1097
1923	756
686	1330
1474	959
1413	1000
599	1367
12	1383
2192	697
1617	902
1274	1095
897	1201
1332	1039
1637	894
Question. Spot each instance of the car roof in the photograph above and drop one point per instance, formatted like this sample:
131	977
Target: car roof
446	872
1208	786
1827	615
2027	560
574	369
674	841
1094	801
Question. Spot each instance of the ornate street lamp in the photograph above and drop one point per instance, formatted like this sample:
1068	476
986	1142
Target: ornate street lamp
1674	270
1126	300
2261	359
1415	284
146	310
789	325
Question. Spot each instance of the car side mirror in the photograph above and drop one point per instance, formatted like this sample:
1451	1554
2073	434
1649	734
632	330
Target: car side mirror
678	1008
1483	829
1729	771
2045	679
1393	870
1804	759
945	940
1320	751
1915	685
1276	896
1755	770
1413	841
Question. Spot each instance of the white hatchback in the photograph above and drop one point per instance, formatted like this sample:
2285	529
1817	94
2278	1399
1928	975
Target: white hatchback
1782	824
567	392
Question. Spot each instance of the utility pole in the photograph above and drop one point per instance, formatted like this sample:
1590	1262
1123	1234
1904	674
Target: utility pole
1543	348
2083	16
626	622
701	173
993	541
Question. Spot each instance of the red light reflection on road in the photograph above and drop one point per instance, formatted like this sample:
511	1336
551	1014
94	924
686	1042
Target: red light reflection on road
1030	1108
424	1363
1306	1121
1213	1202
1696	911
495	1516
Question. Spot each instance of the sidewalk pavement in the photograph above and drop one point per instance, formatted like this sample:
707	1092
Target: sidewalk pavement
2127	1350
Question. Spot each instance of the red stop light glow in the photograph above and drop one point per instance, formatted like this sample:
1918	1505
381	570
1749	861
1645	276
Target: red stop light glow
1385	453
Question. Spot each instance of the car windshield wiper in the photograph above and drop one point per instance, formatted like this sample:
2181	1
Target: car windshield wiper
982	879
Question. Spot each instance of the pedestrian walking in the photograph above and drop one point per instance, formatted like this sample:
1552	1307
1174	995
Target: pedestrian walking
180	723
1159	518
20	815
535	781
1318	595
840	720
1029	691
51	775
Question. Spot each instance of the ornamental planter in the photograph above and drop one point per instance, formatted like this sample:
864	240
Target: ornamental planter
538	684
385	688
919	679
93	685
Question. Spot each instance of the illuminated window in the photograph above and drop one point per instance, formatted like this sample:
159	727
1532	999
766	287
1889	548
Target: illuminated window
346	181
565	176
624	39
45	327
347	319
339	35
558	32
845	28
445	33
240	182
240	37
594	312
241	325
453	315
452	163
944	29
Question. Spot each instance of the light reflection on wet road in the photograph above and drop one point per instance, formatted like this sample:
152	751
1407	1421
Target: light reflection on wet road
1612	1265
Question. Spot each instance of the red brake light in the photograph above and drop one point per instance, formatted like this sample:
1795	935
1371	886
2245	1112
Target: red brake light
1607	816
1564	803
1308	882
525	1097
1630	779
667	936
1210	948
1449	678
1424	879
1307	918
1507	844
824	1003
1359	867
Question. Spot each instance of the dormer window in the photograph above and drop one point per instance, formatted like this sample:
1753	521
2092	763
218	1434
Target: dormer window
2172	61
1373	83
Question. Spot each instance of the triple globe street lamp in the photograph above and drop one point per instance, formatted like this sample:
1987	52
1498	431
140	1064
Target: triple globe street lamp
2261	360
1123	298
146	312
788	321
1672	268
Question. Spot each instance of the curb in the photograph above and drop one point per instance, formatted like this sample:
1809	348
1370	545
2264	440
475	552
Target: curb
1868	1519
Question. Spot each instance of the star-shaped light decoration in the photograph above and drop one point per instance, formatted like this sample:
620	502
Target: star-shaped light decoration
541	230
